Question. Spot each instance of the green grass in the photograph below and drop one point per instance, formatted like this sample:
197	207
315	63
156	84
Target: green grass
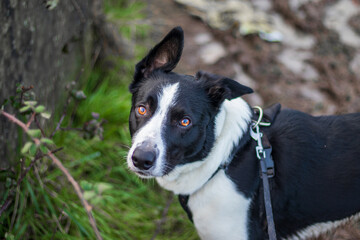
124	206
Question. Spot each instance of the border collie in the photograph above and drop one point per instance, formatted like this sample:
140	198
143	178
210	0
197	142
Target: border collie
192	133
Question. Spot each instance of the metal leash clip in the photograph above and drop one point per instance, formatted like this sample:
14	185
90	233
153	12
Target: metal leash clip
267	168
256	135
264	155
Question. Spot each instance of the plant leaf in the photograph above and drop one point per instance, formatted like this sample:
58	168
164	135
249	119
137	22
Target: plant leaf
30	103
24	109
34	133
103	186
8	182
46	140
40	109
80	95
26	147
44	149
33	149
88	195
45	115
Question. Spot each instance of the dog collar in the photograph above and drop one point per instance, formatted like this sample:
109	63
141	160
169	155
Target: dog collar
263	152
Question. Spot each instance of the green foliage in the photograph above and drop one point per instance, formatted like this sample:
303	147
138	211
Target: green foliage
129	16
124	206
30	106
133	207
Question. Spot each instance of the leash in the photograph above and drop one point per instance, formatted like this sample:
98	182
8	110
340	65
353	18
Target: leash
263	153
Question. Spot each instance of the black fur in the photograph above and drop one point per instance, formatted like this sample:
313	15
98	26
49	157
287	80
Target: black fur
164	56
317	172
205	91
317	159
220	88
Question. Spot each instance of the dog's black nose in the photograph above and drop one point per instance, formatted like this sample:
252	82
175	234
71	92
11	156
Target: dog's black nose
143	159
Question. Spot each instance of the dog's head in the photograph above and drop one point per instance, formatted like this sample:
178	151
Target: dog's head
173	117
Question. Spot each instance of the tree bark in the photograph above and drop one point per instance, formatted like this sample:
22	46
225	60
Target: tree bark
43	43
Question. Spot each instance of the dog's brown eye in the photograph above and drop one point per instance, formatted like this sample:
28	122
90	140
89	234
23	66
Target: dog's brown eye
141	110
185	122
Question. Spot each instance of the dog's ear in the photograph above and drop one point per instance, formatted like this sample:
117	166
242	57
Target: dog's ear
165	56
220	88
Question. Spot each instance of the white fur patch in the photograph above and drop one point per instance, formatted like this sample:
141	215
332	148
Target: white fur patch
231	123
219	211
152	130
320	228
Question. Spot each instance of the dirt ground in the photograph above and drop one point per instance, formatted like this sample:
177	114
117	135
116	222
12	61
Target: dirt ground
321	77
315	69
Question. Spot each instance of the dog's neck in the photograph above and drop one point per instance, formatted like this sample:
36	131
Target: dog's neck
231	123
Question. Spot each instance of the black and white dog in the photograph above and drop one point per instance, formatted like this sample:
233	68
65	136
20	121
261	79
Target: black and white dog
185	129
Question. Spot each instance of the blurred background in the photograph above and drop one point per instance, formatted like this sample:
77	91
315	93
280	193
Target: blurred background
64	70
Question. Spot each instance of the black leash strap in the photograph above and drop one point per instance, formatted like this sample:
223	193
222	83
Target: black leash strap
267	170
263	152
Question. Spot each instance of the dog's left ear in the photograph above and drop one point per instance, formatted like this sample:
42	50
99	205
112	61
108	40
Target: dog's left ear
220	88
164	56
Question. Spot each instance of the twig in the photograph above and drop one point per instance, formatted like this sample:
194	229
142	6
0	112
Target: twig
31	119
23	174
65	108
24	90
68	100
67	226
72	117
22	206
34	161
6	204
14	120
16	198
16	204
71	129
163	217
96	55
59	220
78	191
36	171
38	125
58	163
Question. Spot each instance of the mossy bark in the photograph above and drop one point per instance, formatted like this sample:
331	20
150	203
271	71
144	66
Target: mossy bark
44	44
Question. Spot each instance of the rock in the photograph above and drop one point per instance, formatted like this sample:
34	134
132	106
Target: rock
242	15
242	77
212	52
337	17
202	38
312	93
295	60
291	37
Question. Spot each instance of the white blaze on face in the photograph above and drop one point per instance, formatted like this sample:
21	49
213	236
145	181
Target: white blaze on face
231	123
152	130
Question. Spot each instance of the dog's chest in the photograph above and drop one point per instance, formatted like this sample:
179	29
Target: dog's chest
219	211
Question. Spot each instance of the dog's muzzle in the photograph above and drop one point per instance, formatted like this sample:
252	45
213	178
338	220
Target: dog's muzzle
144	156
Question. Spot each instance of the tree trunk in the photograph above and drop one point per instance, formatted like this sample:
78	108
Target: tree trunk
43	43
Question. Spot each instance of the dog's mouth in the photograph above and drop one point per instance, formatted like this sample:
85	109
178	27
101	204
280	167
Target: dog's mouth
143	174
147	171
